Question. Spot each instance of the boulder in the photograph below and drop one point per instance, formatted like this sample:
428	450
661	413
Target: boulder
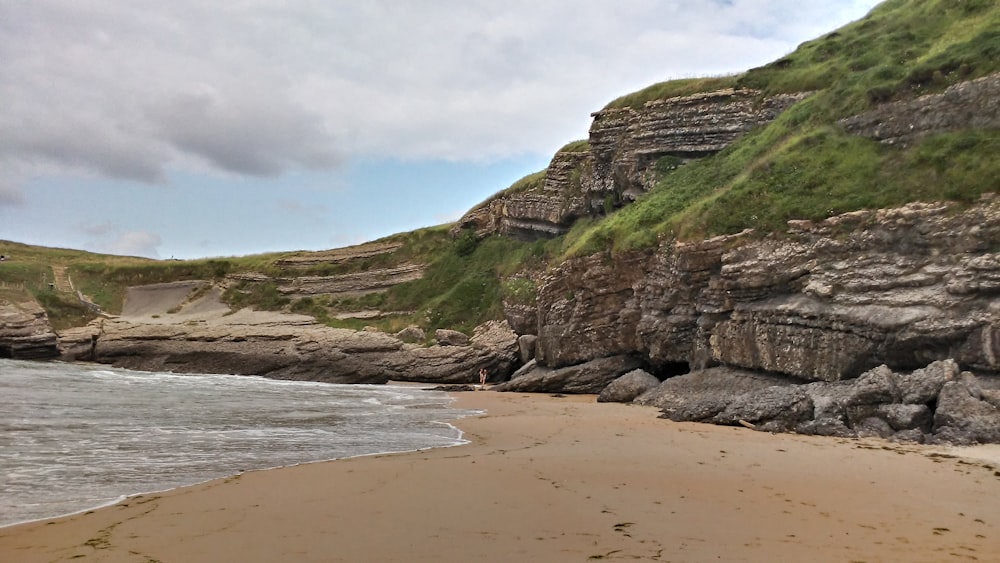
700	395
627	387
526	347
446	337
589	377
412	334
962	418
776	408
25	332
923	385
906	417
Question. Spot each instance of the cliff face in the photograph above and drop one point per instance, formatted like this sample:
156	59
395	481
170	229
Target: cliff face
184	327
822	302
25	333
624	143
546	209
973	104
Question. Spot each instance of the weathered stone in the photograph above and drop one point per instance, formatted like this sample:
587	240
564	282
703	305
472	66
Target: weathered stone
906	417
627	387
700	395
825	427
589	377
814	304
779	407
923	385
962	418
526	347
624	144
970	104
412	334
447	337
350	285
500	343
25	332
873	427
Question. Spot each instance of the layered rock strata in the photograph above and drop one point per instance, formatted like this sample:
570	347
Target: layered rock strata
184	327
615	167
821	302
625	142
25	333
546	209
973	104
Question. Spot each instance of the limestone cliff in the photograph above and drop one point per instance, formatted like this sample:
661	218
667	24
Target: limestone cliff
614	167
184	327
972	104
25	333
821	302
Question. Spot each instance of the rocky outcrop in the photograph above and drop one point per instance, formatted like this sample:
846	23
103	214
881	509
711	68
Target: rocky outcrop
589	377
164	328
588	180
338	255
936	404
25	333
625	142
972	104
350	285
292	347
544	208
822	302
627	387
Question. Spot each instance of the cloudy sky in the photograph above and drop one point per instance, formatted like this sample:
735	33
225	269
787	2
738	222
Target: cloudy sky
195	128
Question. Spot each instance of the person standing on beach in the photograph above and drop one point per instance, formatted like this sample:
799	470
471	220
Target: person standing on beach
482	377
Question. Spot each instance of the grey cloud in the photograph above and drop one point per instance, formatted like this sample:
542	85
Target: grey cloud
10	195
244	134
97	229
267	87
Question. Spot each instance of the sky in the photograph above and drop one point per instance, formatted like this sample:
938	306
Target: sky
204	128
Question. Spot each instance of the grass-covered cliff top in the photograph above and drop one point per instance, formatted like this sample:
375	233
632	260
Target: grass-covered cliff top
804	165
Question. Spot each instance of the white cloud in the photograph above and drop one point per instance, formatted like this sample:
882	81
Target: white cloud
262	88
134	243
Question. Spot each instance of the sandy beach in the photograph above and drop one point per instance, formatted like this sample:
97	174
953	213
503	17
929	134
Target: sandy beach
564	479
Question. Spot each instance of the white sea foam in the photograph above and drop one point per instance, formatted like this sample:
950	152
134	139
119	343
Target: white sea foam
74	436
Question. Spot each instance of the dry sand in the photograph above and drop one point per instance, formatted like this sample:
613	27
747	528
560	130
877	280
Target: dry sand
564	479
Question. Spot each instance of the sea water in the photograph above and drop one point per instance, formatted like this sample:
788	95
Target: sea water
76	436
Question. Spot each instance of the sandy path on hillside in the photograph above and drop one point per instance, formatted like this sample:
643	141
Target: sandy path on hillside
563	479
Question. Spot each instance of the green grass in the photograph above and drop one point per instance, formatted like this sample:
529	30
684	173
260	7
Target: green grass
903	48
672	89
803	166
582	145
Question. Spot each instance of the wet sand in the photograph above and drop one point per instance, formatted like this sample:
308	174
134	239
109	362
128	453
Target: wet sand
565	479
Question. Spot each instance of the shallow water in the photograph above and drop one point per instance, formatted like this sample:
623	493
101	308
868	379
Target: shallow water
76	436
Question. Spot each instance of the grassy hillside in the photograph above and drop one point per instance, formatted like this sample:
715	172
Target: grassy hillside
804	166
461	287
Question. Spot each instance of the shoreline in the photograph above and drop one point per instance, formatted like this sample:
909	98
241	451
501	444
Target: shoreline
561	479
451	434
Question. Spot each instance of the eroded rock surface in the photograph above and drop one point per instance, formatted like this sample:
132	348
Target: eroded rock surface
823	302
199	338
972	104
624	144
936	404
25	333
